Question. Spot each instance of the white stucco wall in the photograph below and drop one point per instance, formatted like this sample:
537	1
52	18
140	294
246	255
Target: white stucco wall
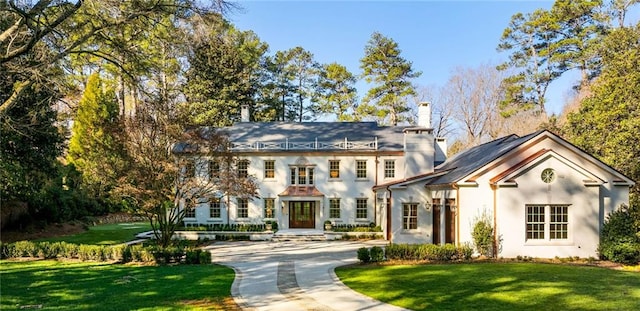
346	187
414	193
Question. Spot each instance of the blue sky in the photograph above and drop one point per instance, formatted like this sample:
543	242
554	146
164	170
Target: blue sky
436	36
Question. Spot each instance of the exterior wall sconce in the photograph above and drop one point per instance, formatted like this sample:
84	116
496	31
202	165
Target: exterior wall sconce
454	208
428	205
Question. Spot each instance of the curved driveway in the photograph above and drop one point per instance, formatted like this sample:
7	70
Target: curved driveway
293	275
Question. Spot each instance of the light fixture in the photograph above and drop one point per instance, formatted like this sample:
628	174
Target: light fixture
428	205
454	208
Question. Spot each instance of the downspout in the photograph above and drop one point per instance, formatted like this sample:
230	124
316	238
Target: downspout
388	207
494	188
375	210
457	189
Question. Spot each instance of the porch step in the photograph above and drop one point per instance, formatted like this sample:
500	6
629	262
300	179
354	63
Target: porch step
294	235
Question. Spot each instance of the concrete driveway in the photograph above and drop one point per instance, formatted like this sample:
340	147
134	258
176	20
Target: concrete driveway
293	275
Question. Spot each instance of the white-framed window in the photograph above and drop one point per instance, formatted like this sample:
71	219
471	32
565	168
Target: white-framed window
243	168
214	208
189	169
214	169
389	168
189	209
334	169
361	169
547	222
334	208
410	216
243	208
361	208
269	169
301	175
269	207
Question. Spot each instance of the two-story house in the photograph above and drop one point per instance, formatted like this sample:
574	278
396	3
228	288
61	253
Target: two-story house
545	196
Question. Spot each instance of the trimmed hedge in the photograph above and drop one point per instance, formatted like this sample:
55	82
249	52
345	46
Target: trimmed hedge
446	252
101	253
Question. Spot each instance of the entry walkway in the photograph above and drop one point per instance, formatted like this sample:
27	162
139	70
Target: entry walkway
293	275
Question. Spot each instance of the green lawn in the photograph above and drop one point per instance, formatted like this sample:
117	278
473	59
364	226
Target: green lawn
496	286
104	234
98	286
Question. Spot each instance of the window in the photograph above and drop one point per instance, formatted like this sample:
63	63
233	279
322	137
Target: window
269	169
535	222
214	169
361	208
243	208
334	208
269	207
214	208
243	168
334	169
555	226
410	216
190	209
361	169
548	175
301	175
559	223
189	169
389	169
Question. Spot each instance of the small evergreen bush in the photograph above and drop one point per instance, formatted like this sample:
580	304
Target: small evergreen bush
620	239
376	254
363	255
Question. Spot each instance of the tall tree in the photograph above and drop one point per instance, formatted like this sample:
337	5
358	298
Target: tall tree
276	94
74	27
335	92
545	44
224	73
302	68
95	148
391	75
608	122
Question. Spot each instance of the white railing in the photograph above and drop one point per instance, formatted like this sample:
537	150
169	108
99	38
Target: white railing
308	145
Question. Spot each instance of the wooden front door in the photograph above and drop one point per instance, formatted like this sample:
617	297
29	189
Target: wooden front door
450	222
302	214
436	221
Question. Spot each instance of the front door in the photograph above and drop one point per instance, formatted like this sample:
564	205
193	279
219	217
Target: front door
302	214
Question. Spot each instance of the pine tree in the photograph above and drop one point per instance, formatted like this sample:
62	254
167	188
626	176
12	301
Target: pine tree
391	74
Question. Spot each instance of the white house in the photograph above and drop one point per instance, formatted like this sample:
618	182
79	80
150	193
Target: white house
545	196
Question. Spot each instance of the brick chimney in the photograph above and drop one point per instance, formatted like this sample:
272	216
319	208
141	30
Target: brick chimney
244	113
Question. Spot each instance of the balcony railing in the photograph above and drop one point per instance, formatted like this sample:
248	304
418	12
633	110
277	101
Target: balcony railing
307	145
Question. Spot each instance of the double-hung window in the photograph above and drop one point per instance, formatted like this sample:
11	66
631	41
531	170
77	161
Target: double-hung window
410	216
334	208
334	169
189	209
547	222
269	169
361	169
243	168
361	208
301	175
269	207
389	169
214	208
243	208
214	169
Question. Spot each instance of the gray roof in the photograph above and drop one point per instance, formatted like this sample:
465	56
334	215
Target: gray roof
388	138
466	162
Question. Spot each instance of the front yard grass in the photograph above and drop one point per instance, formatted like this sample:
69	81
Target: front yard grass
56	285
109	234
496	286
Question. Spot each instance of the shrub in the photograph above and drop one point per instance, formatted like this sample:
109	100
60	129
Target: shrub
376	254
465	252
205	258
363	255
192	256
483	235
619	240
